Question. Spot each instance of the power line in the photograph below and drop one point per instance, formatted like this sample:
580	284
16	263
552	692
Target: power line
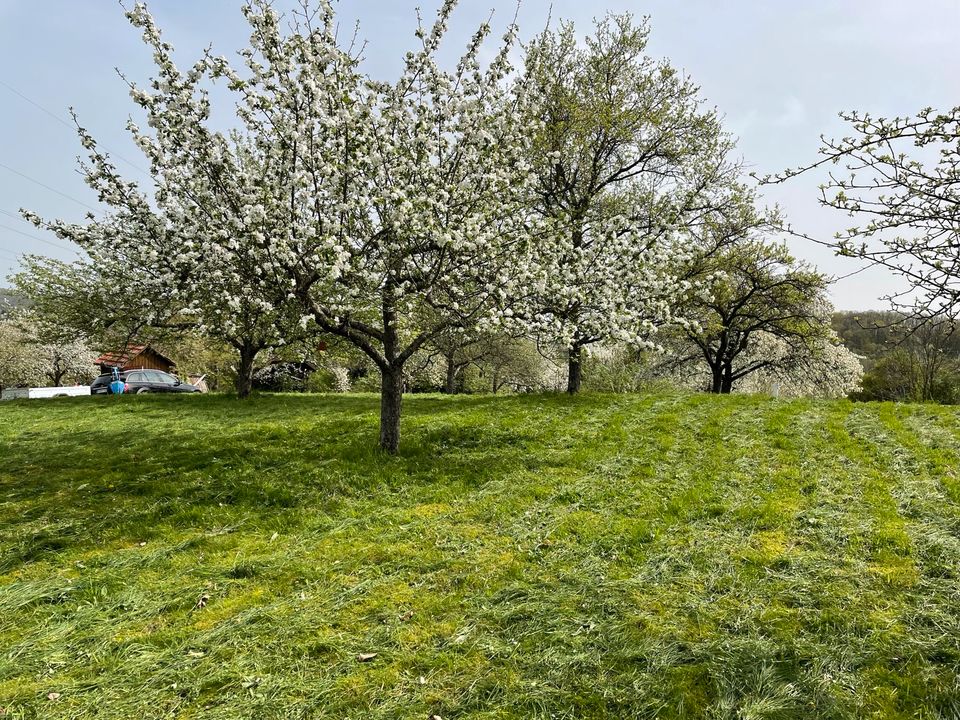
53	190
49	242
37	105
63	122
14	260
38	239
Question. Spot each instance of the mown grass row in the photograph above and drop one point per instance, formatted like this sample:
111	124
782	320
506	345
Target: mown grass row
524	557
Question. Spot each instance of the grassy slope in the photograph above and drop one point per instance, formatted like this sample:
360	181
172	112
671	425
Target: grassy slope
655	556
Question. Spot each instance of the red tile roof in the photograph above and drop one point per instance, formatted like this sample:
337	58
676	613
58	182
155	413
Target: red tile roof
120	359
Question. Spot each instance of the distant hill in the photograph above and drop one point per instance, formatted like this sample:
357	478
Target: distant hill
873	334
9	300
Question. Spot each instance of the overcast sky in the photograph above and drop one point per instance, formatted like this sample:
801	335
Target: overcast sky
778	71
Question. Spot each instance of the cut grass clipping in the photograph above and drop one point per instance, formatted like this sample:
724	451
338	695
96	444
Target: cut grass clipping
661	556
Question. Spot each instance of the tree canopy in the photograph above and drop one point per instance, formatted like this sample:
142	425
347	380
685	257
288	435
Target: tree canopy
629	162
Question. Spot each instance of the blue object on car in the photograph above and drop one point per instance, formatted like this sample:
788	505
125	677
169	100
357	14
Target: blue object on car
117	385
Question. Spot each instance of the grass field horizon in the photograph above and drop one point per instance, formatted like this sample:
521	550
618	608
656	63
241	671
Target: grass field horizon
601	556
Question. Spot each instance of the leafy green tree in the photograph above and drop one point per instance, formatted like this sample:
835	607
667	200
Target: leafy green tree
628	162
758	288
916	360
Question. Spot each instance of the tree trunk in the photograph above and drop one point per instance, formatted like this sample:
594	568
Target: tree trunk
726	385
716	385
450	387
244	384
574	369
391	401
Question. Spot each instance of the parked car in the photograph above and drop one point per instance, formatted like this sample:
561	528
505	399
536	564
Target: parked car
143	381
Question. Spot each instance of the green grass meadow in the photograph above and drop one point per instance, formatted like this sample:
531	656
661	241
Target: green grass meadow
650	556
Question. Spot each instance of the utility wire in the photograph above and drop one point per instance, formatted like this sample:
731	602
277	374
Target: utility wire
38	239
64	122
49	242
53	190
37	105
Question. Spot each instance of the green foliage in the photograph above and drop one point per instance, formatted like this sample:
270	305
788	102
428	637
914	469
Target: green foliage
618	369
668	556
197	355
321	381
629	159
869	333
760	292
907	358
69	300
895	377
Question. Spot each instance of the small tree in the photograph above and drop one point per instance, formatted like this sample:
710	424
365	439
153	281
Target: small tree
19	364
29	358
916	360
458	349
517	364
758	288
72	361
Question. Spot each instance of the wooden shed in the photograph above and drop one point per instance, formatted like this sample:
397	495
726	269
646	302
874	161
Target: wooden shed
135	357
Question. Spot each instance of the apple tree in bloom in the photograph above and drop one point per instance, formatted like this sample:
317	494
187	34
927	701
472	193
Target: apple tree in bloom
899	178
629	163
393	212
65	362
19	365
179	254
821	367
386	213
28	359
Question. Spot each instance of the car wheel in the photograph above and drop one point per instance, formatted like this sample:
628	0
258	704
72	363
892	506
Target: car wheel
141	391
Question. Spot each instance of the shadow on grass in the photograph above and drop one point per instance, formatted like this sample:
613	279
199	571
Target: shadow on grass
73	475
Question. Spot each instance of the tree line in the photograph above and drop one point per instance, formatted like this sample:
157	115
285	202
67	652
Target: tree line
583	201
